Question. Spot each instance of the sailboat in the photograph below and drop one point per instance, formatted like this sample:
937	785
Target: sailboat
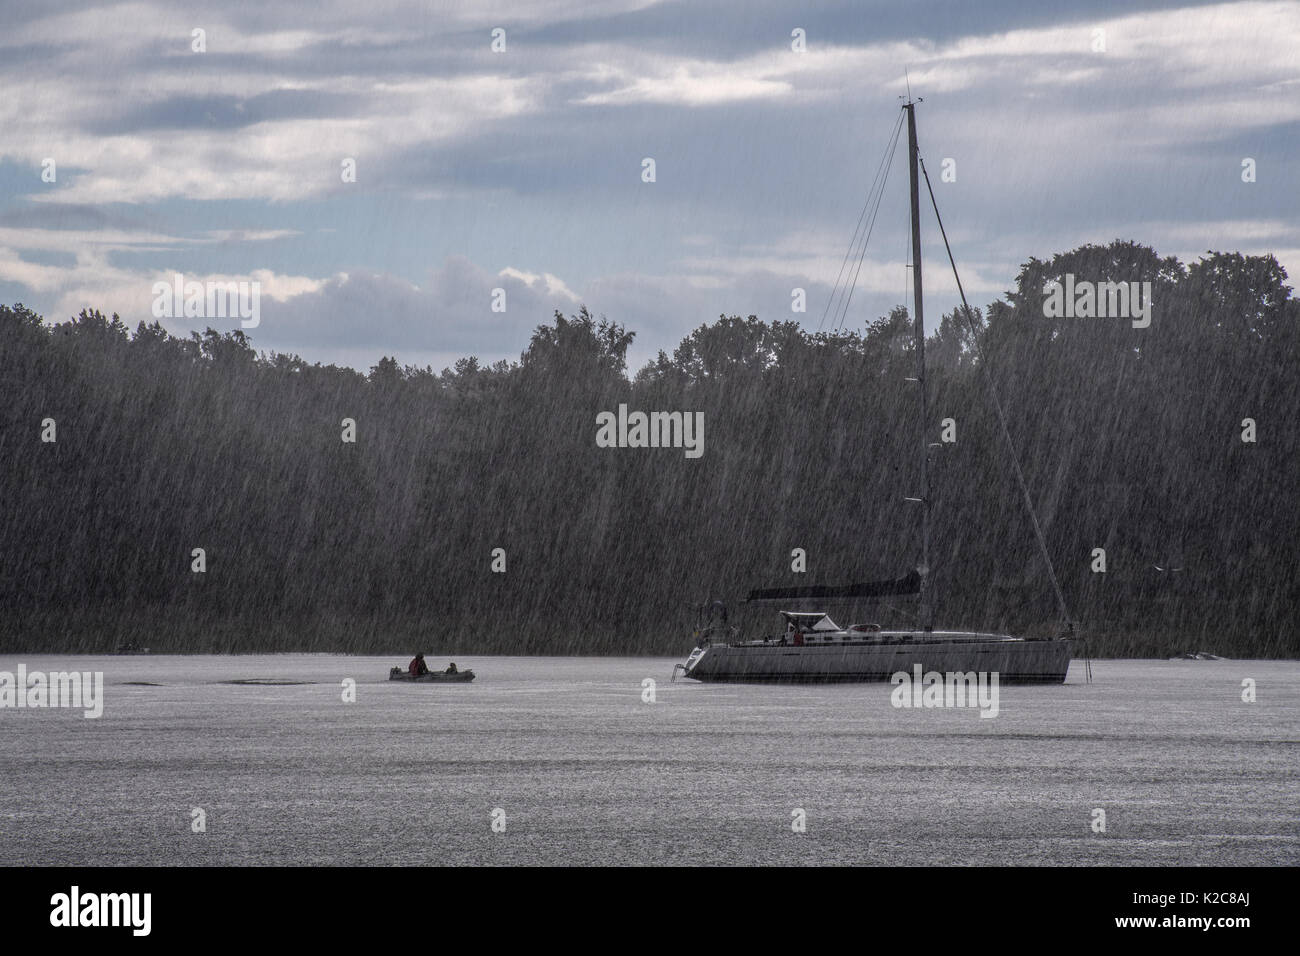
812	647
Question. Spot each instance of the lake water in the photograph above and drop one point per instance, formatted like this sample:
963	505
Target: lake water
586	772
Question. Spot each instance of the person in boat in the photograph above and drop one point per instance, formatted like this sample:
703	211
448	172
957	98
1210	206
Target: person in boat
417	667
451	668
791	636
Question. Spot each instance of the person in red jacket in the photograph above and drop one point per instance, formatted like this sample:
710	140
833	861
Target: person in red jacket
417	667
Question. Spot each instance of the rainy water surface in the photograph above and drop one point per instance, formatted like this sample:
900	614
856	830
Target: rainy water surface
584	771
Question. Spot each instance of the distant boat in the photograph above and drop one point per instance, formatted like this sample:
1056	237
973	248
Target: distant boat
433	677
815	648
130	649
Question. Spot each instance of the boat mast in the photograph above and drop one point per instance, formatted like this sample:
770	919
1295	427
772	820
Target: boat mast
926	619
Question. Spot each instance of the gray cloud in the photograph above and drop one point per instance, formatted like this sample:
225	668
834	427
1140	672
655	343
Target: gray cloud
371	315
451	313
229	112
531	159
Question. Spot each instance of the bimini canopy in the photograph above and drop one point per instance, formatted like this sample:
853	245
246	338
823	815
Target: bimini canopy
809	621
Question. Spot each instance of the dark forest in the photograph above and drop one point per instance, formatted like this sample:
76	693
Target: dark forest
1131	440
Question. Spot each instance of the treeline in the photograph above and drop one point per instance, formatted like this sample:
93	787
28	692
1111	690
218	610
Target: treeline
1131	441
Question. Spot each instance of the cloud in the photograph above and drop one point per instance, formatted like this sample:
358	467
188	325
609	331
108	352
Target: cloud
270	124
369	316
521	170
452	312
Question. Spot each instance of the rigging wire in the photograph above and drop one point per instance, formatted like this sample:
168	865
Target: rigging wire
848	253
863	254
834	303
877	191
997	404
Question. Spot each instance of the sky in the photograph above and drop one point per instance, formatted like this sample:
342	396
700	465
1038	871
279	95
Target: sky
520	168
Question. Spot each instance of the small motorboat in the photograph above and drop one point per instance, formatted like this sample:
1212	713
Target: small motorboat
433	677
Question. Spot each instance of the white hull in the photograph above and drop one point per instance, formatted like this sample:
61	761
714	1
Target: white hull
1014	660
